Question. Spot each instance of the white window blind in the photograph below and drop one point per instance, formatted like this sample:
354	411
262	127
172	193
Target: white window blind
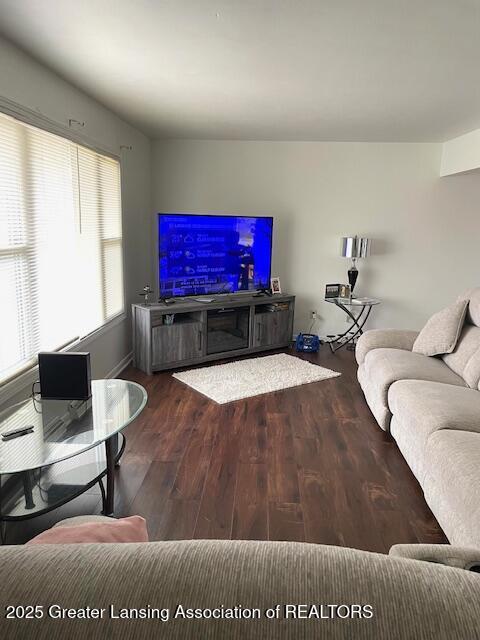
61	270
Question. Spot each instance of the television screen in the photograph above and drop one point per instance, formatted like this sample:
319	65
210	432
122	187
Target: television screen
210	254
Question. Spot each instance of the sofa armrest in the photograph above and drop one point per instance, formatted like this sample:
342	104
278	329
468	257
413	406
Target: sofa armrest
458	557
384	338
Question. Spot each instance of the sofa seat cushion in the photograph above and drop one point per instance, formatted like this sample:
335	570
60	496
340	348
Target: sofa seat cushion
383	367
465	359
420	408
374	400
451	483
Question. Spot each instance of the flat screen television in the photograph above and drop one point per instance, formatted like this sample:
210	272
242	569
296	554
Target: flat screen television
210	254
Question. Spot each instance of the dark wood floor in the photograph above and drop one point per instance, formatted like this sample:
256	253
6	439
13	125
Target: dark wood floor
307	463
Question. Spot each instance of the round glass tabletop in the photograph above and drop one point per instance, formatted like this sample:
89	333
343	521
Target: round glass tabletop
65	428
354	302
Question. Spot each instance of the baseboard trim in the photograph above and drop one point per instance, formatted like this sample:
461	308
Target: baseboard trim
124	362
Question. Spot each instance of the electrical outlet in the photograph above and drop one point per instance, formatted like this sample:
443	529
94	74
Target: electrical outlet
313	315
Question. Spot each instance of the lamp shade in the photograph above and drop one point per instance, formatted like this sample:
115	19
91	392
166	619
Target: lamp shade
355	247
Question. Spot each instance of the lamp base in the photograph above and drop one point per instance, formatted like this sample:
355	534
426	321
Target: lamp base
352	277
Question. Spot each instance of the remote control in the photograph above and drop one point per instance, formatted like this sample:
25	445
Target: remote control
16	433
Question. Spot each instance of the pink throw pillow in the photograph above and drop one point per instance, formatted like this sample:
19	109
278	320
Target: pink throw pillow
132	529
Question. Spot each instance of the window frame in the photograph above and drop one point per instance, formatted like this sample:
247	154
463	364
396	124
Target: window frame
26	375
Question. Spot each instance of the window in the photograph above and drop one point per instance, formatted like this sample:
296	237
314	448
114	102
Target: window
61	268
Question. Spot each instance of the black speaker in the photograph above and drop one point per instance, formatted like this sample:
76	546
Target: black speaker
64	376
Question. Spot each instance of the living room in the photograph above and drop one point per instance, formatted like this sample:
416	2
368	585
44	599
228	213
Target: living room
329	457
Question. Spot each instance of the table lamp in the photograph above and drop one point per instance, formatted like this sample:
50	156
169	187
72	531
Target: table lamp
354	247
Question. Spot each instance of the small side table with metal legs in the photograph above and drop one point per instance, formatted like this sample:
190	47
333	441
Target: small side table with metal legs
348	305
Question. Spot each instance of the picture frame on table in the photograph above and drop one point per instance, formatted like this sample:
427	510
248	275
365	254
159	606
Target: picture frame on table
332	291
345	292
275	285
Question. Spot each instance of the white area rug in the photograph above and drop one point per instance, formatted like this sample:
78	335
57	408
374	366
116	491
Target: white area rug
245	378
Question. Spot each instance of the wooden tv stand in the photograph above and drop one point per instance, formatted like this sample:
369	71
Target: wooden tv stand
201	332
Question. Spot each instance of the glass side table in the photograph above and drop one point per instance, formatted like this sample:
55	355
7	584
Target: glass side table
62	457
348	305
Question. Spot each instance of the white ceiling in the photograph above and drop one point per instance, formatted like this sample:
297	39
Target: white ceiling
393	70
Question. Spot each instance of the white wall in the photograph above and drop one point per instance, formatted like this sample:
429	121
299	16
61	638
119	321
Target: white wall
29	84
461	154
425	229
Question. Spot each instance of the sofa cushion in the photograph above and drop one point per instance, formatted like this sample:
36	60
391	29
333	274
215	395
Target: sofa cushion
473	311
374	400
471	375
451	556
74	520
385	366
451	483
465	359
420	408
384	338
441	333
131	529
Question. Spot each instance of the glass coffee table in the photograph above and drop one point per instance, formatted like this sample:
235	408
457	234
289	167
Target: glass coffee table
62	457
349	337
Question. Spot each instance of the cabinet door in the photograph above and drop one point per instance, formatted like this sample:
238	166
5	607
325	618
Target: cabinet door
272	328
176	342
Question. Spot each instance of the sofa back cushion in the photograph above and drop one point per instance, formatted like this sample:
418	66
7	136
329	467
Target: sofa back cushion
442	331
473	311
465	359
471	375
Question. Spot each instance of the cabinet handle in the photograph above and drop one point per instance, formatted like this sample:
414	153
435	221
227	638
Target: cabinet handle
259	331
200	340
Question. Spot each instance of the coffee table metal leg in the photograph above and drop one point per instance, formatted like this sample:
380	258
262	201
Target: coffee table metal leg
121	450
28	489
111	450
104	495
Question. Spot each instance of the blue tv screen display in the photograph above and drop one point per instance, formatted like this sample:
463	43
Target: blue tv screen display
210	254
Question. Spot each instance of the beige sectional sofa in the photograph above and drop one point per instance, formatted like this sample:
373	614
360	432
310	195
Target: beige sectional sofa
431	406
359	595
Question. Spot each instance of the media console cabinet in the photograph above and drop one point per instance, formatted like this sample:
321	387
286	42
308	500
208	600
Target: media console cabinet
188	332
